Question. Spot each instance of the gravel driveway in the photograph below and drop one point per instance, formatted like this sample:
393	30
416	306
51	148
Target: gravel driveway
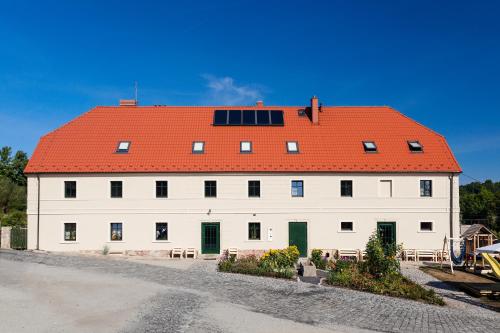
68	293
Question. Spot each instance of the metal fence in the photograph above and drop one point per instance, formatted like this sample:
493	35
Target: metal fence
19	238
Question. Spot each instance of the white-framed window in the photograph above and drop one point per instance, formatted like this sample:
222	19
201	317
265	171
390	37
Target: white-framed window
292	147
346	226
254	231
245	147
426	226
116	231
426	188
69	233
198	147
161	231
385	188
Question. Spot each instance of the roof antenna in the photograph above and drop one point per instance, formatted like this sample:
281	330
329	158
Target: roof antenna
135	86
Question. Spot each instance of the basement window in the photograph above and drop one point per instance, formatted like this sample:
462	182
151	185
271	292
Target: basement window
415	147
426	227
346	226
370	146
123	147
198	147
292	147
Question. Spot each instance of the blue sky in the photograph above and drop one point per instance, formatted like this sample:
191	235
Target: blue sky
436	61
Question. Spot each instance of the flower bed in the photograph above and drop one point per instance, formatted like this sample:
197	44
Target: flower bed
379	274
274	263
355	276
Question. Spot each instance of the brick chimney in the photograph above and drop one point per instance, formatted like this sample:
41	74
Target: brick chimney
315	110
259	104
128	102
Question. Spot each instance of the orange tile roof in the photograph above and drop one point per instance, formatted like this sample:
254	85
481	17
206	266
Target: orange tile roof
161	141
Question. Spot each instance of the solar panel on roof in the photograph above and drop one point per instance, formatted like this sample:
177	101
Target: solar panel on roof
234	117
262	117
277	117
220	117
249	117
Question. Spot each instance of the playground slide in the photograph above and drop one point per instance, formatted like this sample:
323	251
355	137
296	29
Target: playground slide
495	266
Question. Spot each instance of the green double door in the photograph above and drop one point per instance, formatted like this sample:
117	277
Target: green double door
297	235
387	233
210	238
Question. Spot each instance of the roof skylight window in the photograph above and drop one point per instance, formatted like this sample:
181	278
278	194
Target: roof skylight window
370	146
415	146
123	147
292	147
198	147
245	147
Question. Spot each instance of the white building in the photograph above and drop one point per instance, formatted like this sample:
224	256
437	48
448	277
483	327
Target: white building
155	178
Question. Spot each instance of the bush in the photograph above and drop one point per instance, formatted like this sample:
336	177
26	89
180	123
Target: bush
280	259
251	265
379	274
380	260
317	259
13	218
351	276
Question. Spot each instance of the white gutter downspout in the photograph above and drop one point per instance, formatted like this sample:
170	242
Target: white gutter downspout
38	214
451	205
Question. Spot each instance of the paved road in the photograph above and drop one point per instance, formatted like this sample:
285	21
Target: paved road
56	293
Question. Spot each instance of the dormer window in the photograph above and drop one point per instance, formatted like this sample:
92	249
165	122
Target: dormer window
198	147
245	147
292	147
370	146
123	147
415	147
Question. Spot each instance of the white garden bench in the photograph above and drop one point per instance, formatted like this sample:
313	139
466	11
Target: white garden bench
349	253
176	251
410	254
426	254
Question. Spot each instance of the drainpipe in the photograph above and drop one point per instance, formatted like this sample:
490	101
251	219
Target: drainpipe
451	205
38	214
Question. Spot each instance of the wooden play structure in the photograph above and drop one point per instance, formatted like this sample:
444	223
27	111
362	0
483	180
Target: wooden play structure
476	236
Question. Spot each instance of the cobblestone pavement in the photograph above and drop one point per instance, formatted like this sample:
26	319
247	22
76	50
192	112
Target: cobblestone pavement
454	297
193	297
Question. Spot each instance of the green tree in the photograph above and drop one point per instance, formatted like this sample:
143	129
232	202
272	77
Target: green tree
13	167
481	201
12	187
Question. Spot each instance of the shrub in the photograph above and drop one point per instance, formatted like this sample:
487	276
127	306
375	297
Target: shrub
251	265
317	259
379	274
274	263
380	260
105	250
280	259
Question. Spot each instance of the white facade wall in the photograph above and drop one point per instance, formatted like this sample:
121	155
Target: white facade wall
322	207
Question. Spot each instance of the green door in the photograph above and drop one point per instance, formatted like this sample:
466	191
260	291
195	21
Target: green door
387	233
210	238
297	235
